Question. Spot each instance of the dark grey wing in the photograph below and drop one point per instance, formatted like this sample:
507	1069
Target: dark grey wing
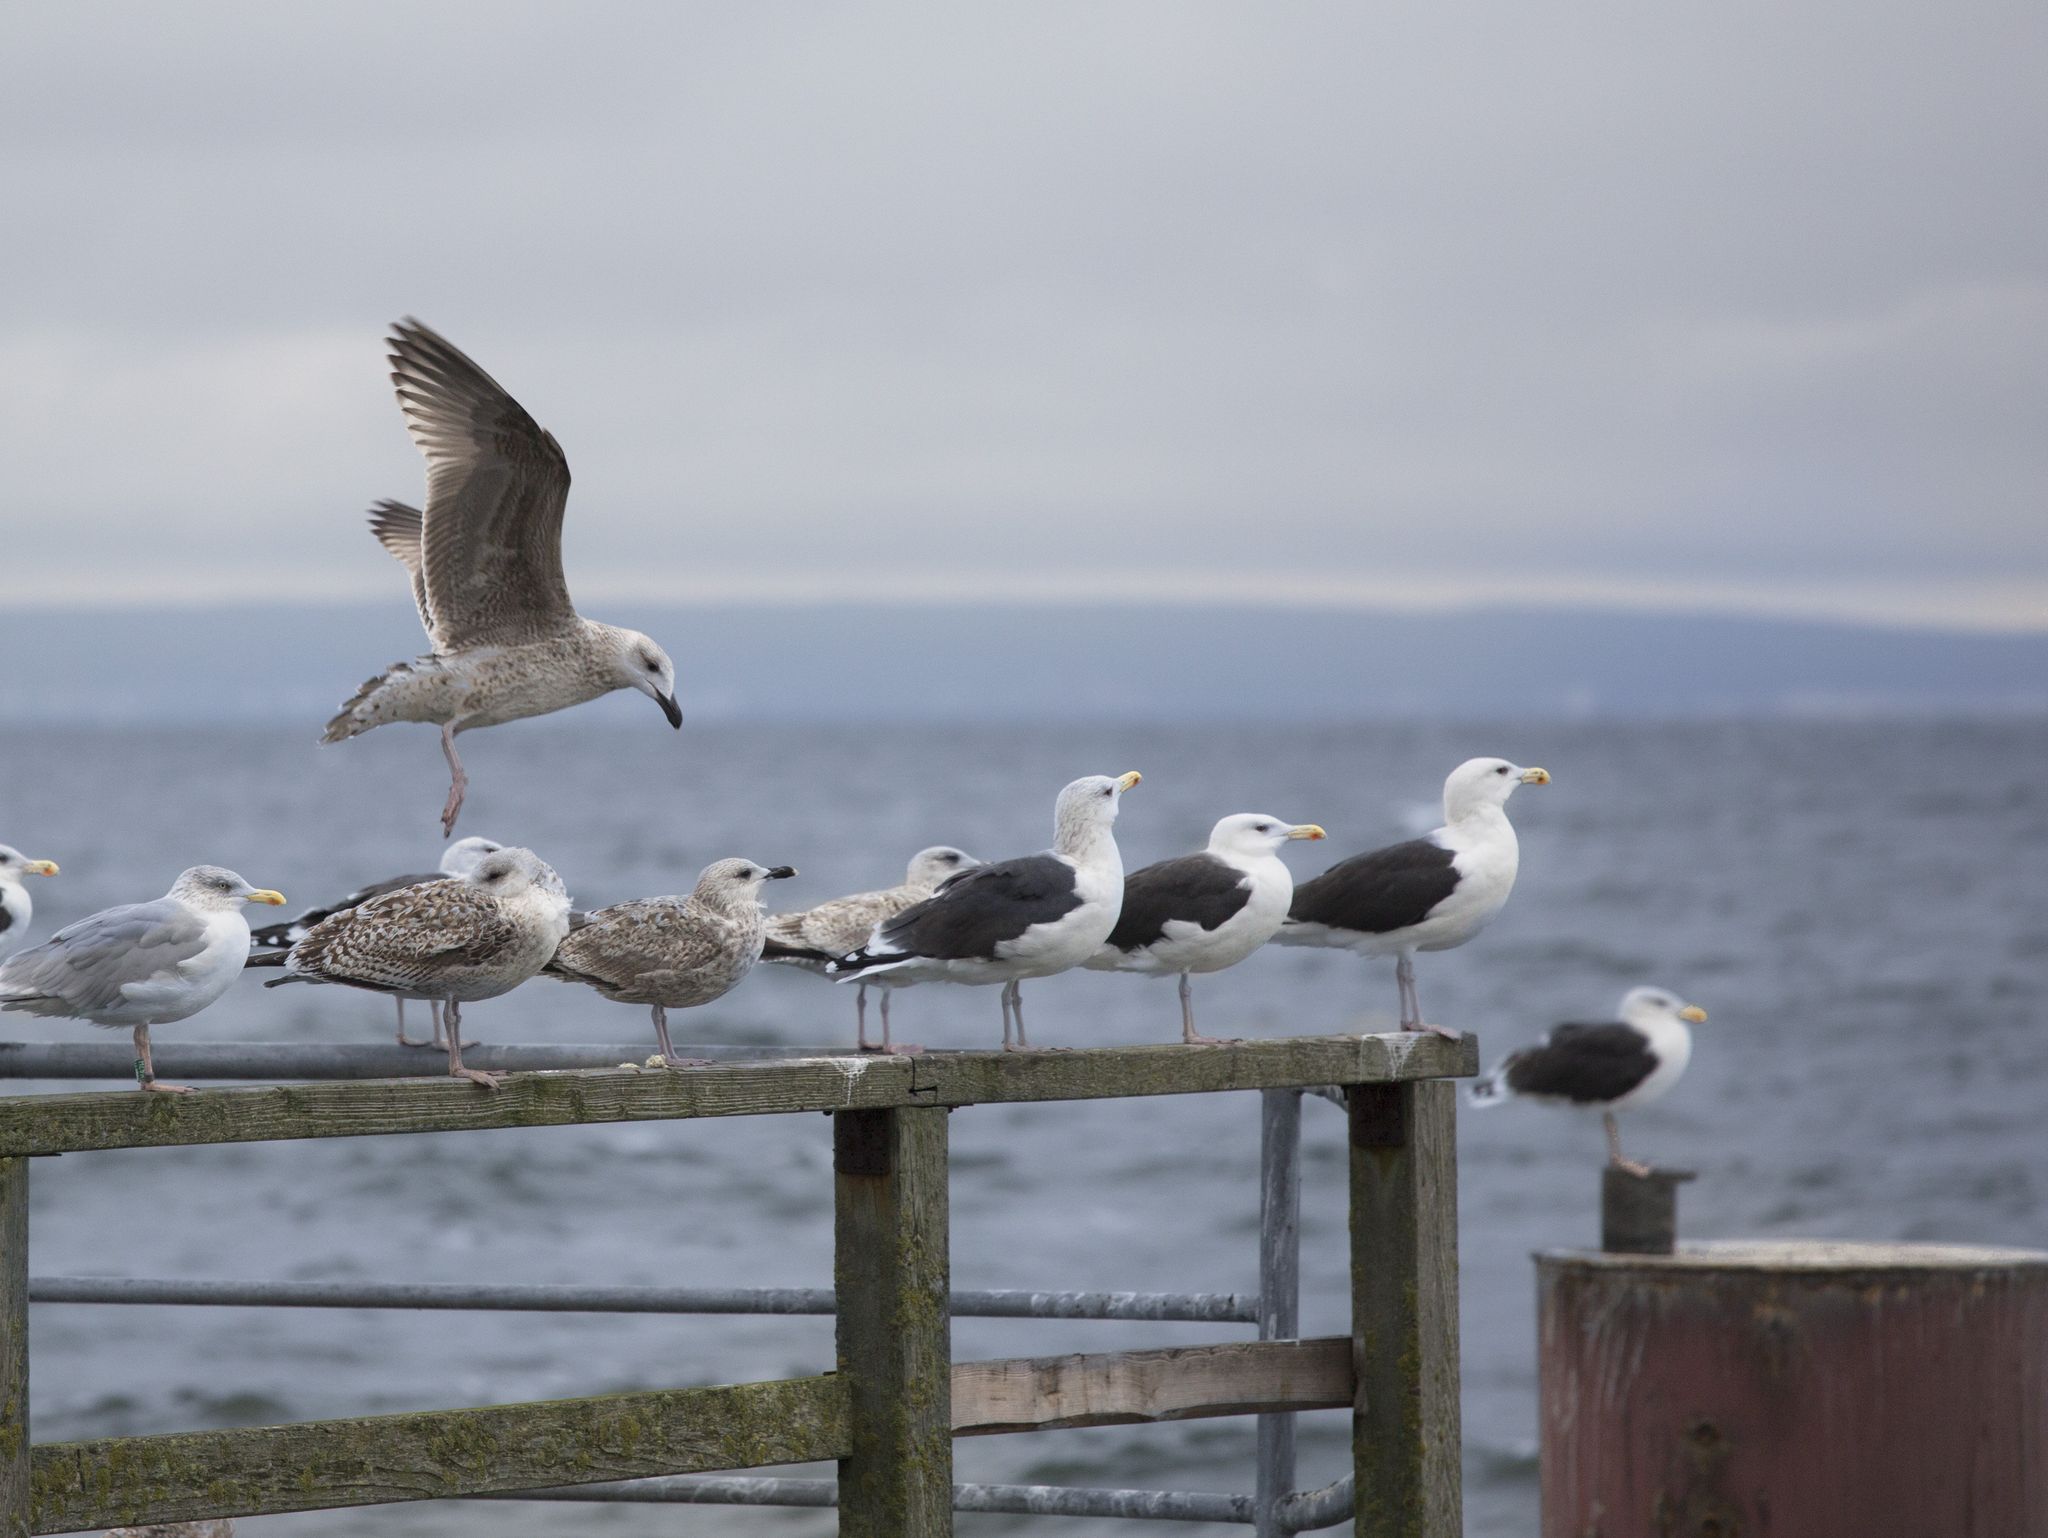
979	909
402	531
1589	1064
1196	889
283	936
497	486
6	921
1380	891
85	965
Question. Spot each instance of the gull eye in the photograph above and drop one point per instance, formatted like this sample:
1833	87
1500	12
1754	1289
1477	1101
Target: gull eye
1503	769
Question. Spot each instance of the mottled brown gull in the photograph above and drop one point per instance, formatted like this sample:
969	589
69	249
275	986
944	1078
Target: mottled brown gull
1206	911
16	906
459	940
486	564
673	952
817	937
142	964
270	944
1002	923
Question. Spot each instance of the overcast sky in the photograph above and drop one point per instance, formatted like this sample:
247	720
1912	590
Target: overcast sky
1737	305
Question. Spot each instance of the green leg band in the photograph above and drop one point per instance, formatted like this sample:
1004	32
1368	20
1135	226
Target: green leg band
142	1073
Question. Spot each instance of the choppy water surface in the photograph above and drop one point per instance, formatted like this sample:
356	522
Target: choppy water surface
1861	907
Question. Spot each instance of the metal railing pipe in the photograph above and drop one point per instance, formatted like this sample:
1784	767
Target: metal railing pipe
279	1060
1016	1500
1279	1285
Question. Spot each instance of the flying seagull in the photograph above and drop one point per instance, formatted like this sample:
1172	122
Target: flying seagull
459	940
486	564
270	944
1428	894
1204	912
817	937
673	952
16	906
1614	1066
1002	923
142	964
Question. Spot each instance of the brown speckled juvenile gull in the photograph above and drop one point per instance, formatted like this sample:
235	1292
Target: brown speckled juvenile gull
458	941
486	564
141	964
269	945
673	952
817	937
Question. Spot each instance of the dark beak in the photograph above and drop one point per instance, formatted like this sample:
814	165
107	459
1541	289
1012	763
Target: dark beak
671	709
781	872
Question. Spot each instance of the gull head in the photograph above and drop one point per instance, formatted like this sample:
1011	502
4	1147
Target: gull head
637	663
930	868
728	883
1253	835
1088	806
14	865
210	889
1649	1006
1482	782
510	875
466	854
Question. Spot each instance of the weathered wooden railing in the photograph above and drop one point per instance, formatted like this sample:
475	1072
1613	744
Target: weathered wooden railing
890	1411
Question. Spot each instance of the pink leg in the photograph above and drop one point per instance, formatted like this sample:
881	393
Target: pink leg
901	1049
145	1070
405	1040
458	782
860	1016
455	1068
1188	1034
668	1053
1614	1148
1411	1006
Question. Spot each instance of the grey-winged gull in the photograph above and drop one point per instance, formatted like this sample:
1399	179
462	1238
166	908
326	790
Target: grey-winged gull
1613	1066
16	906
1427	894
817	937
673	952
1002	923
270	944
486	564
1204	912
459	940
142	964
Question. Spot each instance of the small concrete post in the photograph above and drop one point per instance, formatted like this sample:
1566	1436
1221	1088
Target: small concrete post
1639	1213
893	1277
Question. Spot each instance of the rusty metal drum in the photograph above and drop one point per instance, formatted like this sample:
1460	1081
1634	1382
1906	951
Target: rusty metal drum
1795	1389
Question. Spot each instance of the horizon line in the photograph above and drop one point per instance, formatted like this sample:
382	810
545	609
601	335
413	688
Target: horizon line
1973	606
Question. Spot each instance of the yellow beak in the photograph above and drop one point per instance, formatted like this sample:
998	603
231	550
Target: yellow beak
1535	776
1129	778
269	898
1307	830
40	867
1693	1013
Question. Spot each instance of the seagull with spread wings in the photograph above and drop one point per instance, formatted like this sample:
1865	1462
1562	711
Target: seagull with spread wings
486	564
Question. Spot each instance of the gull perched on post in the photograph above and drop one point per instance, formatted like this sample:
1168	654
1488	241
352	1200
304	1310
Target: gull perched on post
1428	894
458	940
486	564
270	944
16	906
1204	912
1611	1067
673	952
1002	923
142	964
817	937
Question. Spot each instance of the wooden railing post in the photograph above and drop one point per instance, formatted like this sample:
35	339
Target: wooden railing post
894	1328
1404	1310
14	1446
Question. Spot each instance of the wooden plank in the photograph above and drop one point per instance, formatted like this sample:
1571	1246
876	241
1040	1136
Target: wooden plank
1405	1439
48	1124
188	1476
1125	1387
892	1274
16	1494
